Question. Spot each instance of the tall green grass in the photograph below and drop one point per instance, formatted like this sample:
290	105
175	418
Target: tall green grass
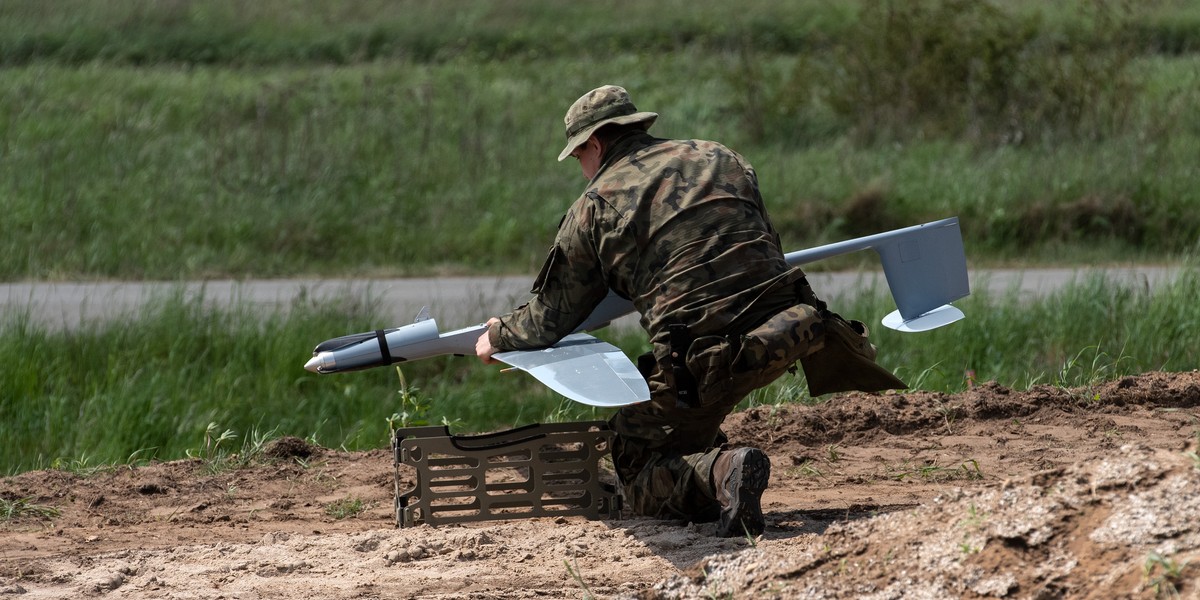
1092	331
405	169
290	31
314	31
147	139
149	386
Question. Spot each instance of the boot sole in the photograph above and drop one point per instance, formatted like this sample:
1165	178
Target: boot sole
744	516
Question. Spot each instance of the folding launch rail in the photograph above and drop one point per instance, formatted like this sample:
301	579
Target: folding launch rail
532	471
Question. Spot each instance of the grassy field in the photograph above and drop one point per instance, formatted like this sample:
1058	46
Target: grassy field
152	385
162	140
150	139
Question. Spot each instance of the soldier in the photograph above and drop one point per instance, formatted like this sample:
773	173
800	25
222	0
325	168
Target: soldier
679	228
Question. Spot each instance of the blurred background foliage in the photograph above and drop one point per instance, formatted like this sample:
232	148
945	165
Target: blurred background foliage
214	138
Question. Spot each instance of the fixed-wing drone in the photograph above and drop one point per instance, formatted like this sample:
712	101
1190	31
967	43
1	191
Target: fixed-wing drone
924	265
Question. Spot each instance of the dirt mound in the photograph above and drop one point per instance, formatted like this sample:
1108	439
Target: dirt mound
1087	492
1124	526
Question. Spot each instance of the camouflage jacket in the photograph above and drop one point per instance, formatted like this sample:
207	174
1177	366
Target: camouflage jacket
678	228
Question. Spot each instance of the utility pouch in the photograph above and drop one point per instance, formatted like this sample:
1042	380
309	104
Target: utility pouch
711	357
847	361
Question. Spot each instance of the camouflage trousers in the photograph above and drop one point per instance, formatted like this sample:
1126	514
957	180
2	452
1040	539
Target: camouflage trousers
664	453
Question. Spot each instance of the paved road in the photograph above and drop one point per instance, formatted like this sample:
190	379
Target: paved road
454	301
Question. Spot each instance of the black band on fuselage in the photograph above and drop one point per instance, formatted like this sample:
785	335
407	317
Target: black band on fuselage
383	347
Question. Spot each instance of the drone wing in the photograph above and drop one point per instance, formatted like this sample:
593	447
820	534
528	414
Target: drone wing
583	369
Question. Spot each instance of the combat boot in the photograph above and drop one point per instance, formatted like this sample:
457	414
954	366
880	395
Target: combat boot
739	478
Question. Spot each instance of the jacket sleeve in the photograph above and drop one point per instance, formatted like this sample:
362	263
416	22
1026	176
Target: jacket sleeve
752	177
569	286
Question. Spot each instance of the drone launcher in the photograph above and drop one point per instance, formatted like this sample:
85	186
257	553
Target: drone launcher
534	471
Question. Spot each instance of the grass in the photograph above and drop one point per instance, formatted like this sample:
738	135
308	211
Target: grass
289	31
1163	575
156	386
142	139
345	508
576	575
968	471
218	454
164	173
11	510
805	469
131	147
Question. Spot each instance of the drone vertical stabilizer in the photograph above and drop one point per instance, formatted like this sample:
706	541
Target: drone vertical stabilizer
925	267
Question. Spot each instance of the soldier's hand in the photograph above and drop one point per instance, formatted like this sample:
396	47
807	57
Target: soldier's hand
483	346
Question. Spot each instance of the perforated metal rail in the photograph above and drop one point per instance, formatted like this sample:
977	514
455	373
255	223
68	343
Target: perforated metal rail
532	471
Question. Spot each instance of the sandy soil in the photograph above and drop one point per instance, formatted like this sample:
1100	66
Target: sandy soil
992	493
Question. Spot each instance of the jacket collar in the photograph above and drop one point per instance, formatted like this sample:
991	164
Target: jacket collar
623	146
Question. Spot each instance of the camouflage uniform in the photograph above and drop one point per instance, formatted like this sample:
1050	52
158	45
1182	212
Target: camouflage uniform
679	228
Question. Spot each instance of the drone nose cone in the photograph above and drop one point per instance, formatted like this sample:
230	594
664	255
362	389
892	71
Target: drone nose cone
316	363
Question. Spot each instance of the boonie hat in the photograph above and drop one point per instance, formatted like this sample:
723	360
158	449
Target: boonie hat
605	105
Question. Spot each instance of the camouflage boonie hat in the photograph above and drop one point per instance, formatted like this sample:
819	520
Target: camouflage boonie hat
605	105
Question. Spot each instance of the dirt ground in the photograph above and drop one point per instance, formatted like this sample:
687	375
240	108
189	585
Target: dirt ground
992	493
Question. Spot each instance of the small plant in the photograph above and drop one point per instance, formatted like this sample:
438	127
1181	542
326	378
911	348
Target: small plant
414	412
81	466
1076	373
928	374
212	454
973	522
216	455
971	471
253	446
751	541
84	466
587	591
968	470
23	507
345	508
713	595
949	414
1163	575
775	414
832	454
975	517
806	469
212	443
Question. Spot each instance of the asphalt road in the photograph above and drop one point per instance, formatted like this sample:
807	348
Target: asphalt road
454	301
